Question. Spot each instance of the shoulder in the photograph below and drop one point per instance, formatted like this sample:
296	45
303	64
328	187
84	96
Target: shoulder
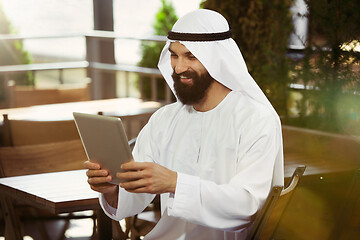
167	111
166	115
249	112
158	123
243	104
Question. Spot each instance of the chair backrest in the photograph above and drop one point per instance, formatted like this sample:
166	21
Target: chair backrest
27	132
268	217
41	158
24	96
134	123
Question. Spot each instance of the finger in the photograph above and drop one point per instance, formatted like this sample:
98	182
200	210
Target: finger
139	190
97	173
91	165
102	188
134	166
129	175
99	180
132	185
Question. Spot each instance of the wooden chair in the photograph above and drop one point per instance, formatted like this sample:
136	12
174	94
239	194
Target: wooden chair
27	132
39	158
24	96
39	147
134	123
42	158
268	217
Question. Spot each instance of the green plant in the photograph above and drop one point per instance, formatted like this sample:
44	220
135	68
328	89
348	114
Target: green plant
261	29
12	53
165	19
334	104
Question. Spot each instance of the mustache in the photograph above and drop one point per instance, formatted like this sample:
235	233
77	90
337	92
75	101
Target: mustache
187	74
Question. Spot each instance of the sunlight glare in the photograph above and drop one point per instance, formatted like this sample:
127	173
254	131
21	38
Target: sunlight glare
25	238
80	228
353	45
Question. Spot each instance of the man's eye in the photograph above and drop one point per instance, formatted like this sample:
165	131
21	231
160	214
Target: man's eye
192	57
173	55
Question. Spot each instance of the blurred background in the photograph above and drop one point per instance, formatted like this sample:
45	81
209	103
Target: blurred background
304	55
51	17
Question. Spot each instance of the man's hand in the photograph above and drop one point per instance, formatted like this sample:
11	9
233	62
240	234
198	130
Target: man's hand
99	179
146	177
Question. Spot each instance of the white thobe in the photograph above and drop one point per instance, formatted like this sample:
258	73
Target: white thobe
224	158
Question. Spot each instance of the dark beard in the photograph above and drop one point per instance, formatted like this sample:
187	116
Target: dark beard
194	93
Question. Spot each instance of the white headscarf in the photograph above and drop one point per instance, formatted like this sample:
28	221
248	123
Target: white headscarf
222	59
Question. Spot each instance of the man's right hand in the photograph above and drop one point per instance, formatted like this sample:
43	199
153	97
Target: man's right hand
99	179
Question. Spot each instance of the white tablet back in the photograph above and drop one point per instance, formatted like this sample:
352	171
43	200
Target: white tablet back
104	140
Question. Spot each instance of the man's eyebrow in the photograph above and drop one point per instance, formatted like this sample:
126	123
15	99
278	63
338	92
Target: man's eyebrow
186	53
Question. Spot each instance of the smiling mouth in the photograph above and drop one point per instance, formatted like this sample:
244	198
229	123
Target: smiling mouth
186	80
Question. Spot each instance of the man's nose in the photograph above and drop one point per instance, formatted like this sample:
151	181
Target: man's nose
180	67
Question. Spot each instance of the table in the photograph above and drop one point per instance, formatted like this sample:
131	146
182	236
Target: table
317	168
58	192
326	155
63	111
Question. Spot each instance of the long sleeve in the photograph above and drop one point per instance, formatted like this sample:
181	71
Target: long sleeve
130	204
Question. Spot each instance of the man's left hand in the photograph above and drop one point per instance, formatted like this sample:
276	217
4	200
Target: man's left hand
147	177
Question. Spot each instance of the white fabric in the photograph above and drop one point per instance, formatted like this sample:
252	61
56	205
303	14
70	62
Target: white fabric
224	170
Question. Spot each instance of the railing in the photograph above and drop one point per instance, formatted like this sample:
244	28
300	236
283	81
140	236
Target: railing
7	70
153	73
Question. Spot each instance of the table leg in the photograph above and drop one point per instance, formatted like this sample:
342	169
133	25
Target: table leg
13	228
104	225
117	232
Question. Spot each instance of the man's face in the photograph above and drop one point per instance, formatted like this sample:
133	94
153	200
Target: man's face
191	79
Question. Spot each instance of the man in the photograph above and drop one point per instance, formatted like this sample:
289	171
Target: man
214	154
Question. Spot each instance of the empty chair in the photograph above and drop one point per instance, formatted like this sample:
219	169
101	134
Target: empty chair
267	219
42	158
38	147
24	96
134	123
39	158
27	132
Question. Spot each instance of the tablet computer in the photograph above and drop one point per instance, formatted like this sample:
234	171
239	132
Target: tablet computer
104	140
